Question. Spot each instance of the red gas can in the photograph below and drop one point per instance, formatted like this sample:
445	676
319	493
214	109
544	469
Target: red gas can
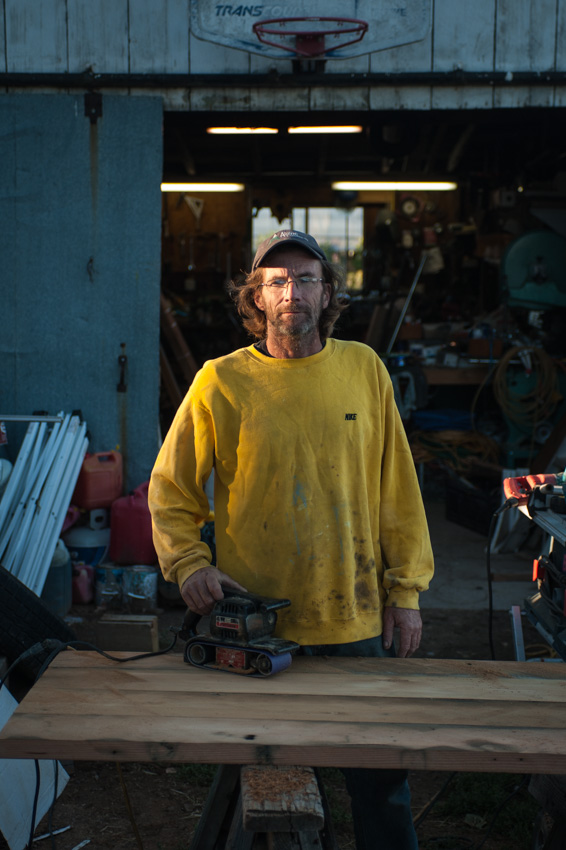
99	482
130	529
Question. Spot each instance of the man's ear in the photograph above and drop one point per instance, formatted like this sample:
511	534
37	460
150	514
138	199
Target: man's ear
258	298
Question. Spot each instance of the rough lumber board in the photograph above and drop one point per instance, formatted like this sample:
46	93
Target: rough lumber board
499	713
278	799
415	713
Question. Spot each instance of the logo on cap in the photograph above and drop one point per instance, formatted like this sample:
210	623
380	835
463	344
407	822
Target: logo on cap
296	236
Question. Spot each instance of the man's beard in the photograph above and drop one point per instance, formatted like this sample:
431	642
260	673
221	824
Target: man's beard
310	318
306	326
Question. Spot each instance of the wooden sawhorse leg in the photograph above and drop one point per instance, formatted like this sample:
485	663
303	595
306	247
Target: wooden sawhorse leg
257	807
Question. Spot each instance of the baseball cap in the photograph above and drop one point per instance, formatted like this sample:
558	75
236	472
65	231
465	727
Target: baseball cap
287	237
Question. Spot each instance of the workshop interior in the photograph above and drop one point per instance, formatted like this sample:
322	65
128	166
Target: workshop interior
137	190
458	283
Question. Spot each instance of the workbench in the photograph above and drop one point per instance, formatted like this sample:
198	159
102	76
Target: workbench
456	376
420	714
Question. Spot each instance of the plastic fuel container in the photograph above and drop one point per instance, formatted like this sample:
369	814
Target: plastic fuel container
131	541
100	481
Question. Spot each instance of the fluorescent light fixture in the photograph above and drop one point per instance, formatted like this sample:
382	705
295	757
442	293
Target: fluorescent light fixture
202	187
242	131
393	186
346	128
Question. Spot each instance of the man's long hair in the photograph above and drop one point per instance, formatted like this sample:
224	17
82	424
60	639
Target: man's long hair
242	291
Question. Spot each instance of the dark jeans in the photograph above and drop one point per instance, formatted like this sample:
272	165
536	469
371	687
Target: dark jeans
381	800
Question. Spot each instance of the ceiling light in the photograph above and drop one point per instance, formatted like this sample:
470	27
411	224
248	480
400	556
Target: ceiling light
202	187
241	131
349	128
393	185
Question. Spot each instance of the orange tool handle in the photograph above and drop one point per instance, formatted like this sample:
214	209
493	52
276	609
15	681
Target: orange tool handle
521	487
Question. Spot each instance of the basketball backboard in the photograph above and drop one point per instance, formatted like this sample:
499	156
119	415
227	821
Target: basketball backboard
331	29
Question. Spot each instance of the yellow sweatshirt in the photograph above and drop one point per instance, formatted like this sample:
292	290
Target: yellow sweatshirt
316	498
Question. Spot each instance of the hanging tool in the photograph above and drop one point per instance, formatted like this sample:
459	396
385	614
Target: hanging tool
196	206
406	304
239	639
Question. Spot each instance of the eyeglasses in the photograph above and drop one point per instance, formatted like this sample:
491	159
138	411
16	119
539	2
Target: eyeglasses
304	280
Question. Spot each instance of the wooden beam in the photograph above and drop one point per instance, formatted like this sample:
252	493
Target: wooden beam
278	799
169	380
172	332
420	713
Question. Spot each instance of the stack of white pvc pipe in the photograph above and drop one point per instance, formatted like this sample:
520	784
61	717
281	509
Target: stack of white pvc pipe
38	495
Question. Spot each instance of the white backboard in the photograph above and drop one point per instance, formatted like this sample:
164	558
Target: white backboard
390	23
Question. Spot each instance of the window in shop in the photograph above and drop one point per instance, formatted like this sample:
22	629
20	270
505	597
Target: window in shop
339	233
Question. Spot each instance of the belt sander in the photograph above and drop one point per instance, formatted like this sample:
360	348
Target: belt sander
239	639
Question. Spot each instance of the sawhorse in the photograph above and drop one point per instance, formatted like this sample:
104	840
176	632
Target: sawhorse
265	808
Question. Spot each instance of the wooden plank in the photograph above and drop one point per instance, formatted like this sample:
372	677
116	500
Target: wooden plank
238	838
525	35
208	58
98	36
329	744
217	811
425	711
159	37
386	677
170	328
400	97
278	799
35	36
417	713
339	99
139	632
169	380
462	97
3	48
408	57
560	48
444	375
463	35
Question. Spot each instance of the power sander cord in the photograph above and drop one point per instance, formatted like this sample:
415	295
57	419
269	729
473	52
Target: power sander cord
511	502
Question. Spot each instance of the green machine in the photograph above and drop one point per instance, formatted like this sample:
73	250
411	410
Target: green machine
529	385
533	271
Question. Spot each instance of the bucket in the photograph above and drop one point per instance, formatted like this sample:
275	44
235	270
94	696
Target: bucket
108	586
131	539
87	545
139	588
57	590
99	482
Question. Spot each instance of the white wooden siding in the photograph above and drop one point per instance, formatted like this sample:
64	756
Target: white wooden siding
88	30
154	37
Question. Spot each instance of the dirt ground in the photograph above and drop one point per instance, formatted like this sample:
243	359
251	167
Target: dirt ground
166	800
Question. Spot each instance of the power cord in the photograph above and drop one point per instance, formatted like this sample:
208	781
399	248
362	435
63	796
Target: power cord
425	811
509	503
129	806
35	801
54	647
58	646
499	809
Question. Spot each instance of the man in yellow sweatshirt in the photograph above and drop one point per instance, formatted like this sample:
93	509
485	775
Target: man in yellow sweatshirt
316	498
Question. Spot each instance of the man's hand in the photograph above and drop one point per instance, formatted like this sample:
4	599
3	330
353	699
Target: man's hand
410	628
201	590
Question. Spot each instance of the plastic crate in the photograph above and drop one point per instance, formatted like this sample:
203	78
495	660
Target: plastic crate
471	507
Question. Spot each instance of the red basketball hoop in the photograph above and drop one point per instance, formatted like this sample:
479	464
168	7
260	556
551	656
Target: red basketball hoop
310	43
